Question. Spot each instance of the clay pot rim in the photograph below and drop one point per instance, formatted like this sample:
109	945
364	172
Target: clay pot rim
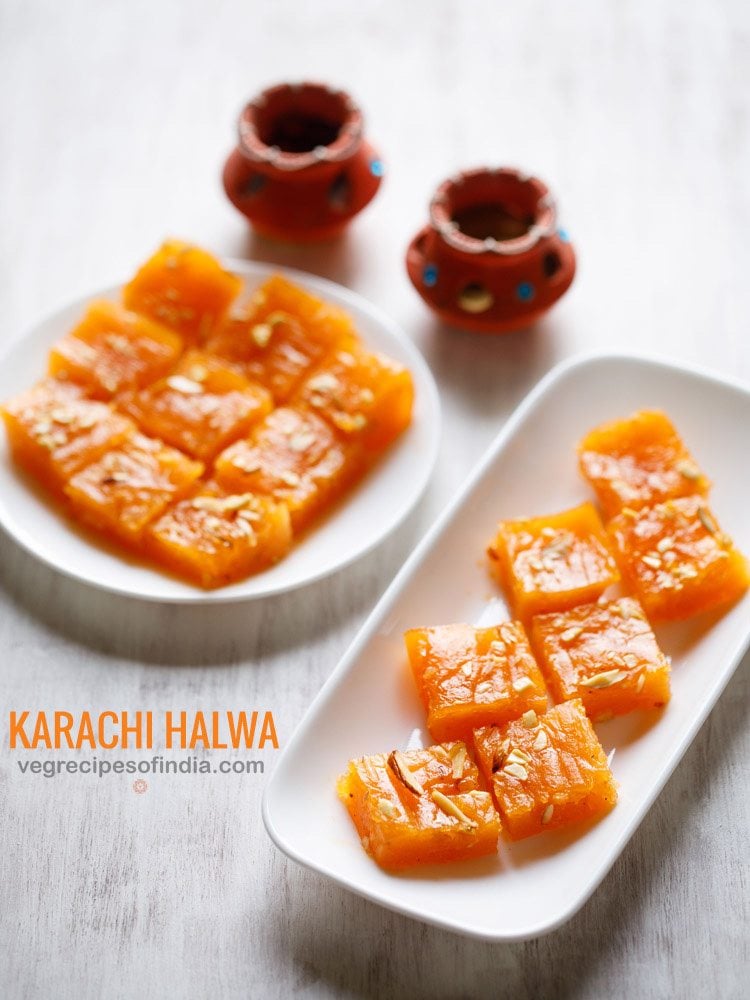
344	145
544	226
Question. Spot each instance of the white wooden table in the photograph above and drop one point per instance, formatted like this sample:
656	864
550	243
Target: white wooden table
115	120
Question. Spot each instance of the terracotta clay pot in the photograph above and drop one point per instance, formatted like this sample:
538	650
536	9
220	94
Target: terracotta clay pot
492	258
302	168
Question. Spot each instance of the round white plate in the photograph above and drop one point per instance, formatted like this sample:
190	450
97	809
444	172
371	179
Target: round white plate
378	505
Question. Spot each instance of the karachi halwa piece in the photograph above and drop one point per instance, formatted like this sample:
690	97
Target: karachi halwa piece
546	771
470	677
553	563
366	397
184	288
112	350
200	408
216	538
605	654
130	486
677	560
53	431
638	462
295	457
420	806
281	334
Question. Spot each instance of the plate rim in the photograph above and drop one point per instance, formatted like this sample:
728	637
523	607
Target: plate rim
424	382
389	597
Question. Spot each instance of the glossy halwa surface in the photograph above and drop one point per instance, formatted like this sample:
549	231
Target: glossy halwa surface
605	654
637	462
469	677
552	563
440	813
546	773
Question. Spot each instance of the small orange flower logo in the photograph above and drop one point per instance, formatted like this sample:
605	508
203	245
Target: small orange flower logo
140	785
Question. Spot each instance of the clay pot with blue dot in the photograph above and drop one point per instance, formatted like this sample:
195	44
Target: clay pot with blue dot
302	168
493	257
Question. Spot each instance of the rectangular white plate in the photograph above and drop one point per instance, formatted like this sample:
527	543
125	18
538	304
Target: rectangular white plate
369	703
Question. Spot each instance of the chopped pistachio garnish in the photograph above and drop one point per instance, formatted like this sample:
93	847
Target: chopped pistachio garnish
246	463
184	385
558	547
541	741
457	755
61	415
707	521
199	373
664	544
325	382
86	420
653	561
119	342
499	755
547	814
387	808
517	770
530	719
301	441
604	679
688	469
400	767
349	422
686	571
450	807
626	610
522	684
222	505
115	477
624	489
571	633
261	334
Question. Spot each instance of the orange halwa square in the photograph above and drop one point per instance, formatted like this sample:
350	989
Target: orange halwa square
547	772
420	806
552	563
112	350
200	408
470	677
216	538
184	288
53	431
366	397
677	560
638	462
605	654
280	334
130	486
293	456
